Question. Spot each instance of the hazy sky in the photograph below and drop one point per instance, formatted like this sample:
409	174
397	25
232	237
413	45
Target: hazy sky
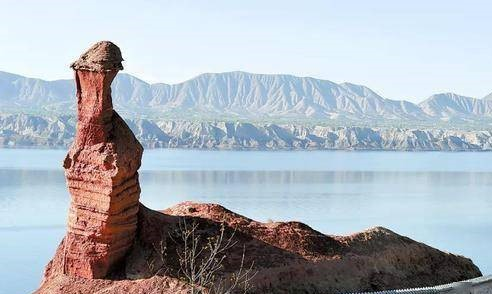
401	49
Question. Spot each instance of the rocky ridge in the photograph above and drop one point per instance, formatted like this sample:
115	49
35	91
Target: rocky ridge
242	95
22	130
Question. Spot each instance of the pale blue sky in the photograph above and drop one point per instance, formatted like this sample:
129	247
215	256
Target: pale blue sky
401	49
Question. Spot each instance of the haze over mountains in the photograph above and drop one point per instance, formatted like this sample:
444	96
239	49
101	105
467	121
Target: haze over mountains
241	95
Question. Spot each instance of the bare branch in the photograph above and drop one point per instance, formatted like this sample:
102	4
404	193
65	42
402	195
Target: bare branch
201	261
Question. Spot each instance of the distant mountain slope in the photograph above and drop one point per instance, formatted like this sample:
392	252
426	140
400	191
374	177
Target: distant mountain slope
242	95
251	95
488	97
19	91
449	105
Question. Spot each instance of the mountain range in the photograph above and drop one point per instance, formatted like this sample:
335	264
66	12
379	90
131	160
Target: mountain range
239	110
242	95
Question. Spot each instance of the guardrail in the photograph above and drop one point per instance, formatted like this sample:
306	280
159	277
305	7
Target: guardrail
481	285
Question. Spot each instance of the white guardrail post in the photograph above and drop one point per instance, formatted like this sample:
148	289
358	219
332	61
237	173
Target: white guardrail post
481	285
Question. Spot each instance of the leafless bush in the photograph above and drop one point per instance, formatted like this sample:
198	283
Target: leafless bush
154	266
239	282
202	259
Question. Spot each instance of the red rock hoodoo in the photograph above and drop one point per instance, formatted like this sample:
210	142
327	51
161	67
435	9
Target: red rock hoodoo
101	171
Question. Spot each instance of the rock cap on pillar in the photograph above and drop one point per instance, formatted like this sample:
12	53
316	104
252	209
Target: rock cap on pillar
101	169
100	57
94	71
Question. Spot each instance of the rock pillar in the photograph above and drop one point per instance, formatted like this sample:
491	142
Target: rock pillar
101	171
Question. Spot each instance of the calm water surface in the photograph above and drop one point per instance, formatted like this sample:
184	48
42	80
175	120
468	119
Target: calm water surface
442	199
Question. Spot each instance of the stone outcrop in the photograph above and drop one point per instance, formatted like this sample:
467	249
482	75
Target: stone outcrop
114	244
101	171
289	257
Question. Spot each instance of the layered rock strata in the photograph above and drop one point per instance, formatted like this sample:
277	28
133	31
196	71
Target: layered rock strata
101	171
30	130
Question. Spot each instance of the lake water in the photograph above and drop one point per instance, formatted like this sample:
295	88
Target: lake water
442	199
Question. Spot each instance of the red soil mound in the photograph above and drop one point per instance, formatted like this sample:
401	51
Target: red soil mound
289	257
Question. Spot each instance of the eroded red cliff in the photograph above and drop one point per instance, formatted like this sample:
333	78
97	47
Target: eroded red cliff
101	171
